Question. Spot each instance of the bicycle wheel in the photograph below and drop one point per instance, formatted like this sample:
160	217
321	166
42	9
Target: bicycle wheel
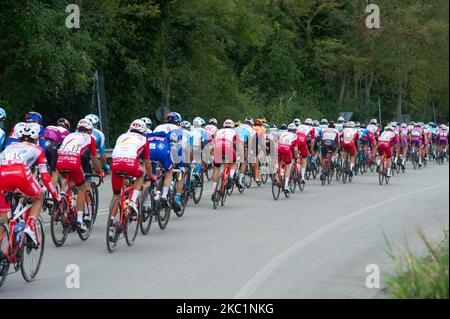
323	179
90	207
217	193
209	173
198	189
293	180
95	199
113	225
164	214
30	254
59	227
248	179
381	174
131	228
276	189
308	173
4	264
146	209
301	186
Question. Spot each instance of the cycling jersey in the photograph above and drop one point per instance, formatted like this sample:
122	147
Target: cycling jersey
374	130
54	136
385	143
339	127
403	136
366	137
309	131
329	137
211	130
99	138
199	137
287	142
245	132
417	136
349	136
15	172
2	138
130	147
75	154
186	144
442	138
226	142
165	145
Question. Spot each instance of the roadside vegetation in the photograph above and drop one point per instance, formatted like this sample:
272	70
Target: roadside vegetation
420	277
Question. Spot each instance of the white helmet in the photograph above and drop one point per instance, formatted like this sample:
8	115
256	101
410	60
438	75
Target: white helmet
147	122
373	121
197	122
341	119
17	129
351	124
139	126
404	125
86	124
95	120
228	124
292	127
30	130
309	122
297	122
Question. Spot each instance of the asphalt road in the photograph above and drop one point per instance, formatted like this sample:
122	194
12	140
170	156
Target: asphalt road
316	244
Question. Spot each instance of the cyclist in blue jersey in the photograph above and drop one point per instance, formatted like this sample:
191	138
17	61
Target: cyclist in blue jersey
200	139
340	124
246	134
166	148
99	140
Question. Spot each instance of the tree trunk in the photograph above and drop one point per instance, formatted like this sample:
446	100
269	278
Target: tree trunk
399	104
343	87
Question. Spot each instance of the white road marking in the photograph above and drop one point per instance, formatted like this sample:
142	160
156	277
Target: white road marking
250	288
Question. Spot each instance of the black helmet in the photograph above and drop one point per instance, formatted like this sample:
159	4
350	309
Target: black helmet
283	127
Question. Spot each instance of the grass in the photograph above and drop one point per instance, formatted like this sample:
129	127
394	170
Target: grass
420	277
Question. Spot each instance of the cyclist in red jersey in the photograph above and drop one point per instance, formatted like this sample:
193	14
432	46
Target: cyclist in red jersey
74	156
16	162
387	140
288	145
349	138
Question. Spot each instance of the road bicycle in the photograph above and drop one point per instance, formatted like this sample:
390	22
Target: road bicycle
64	219
327	169
278	182
119	221
296	178
221	189
382	171
16	248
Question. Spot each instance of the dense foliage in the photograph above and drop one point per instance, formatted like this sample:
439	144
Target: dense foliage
225	58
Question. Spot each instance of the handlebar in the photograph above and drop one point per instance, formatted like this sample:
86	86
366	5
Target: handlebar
101	181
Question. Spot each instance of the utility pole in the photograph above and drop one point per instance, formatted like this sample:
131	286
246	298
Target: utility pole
379	109
434	113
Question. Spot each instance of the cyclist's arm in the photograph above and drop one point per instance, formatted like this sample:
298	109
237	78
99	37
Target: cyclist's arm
45	176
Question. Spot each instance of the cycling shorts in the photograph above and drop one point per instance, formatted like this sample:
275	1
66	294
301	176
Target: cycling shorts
328	145
128	166
384	148
224	153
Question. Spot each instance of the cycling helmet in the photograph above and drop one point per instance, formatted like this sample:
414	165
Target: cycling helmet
186	125
357	125
30	130
351	124
138	126
341	119
292	127
373	121
64	123
283	127
297	122
85	124
309	122
34	117
213	121
197	122
393	124
316	123
2	114
249	120
258	122
95	120
147	121
345	125
389	128
228	124
173	118
236	124
404	125
331	124
324	121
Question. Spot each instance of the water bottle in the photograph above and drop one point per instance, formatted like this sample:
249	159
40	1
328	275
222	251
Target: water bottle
18	228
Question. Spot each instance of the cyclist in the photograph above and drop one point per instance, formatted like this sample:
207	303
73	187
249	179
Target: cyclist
340	124
246	135
30	117
54	136
323	124
442	139
417	140
434	137
200	139
227	144
130	149
187	148
288	147
15	174
211	128
308	130
330	142
387	141
75	155
166	148
283	128
427	140
2	133
260	138
349	142
99	138
403	135
374	129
